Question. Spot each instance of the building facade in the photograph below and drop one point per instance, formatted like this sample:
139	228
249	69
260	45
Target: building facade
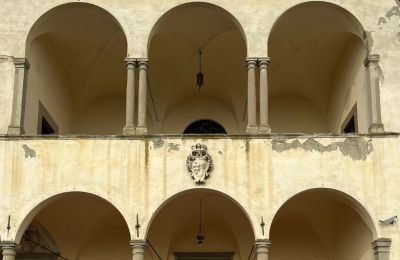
199	130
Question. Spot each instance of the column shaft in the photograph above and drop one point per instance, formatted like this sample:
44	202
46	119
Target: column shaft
371	63
129	128
138	247
252	127
9	250
262	249
264	124
16	126
381	248
142	128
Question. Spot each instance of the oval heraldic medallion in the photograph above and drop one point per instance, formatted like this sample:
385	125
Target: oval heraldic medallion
199	163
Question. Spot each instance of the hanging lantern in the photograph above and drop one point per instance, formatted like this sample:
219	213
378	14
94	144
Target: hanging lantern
200	235
200	75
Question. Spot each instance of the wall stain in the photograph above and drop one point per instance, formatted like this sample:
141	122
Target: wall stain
158	143
29	152
357	148
394	11
368	38
173	147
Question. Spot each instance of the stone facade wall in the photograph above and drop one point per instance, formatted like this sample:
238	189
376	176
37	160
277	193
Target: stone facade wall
138	175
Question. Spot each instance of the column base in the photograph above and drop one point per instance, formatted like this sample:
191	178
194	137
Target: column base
381	248
129	130
15	130
252	130
376	128
140	130
264	130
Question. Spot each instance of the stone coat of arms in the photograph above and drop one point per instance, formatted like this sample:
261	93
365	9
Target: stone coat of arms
199	163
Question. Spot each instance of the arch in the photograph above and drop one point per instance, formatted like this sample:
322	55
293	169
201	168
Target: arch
357	30
351	201
163	17
197	36
317	52
224	222
32	34
182	193
81	47
36	208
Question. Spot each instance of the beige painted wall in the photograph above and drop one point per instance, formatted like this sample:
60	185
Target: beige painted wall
137	176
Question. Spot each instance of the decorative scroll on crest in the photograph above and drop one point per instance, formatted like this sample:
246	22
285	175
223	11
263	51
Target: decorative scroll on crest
199	163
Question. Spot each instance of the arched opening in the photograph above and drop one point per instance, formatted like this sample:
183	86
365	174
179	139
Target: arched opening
174	227
77	79
204	127
76	226
321	224
317	75
174	59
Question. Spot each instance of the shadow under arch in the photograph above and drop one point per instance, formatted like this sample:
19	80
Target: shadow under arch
347	199
156	26
354	26
33	211
35	29
212	191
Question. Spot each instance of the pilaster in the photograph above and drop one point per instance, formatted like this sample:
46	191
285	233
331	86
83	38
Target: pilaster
381	248
16	126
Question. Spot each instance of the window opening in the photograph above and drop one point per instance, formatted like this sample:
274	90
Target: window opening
46	124
205	127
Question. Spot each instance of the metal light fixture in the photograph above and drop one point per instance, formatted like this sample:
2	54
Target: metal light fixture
200	235
200	75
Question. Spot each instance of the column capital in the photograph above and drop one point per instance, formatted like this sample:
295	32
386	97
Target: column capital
381	245
130	63
251	63
21	63
262	242
371	60
143	63
263	62
9	248
138	246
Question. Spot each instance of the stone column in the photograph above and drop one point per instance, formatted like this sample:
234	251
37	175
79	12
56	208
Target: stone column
262	248
381	248
252	127
129	128
371	63
141	127
16	126
138	247
264	124
9	250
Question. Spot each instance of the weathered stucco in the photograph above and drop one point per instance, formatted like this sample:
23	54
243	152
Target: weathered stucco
138	175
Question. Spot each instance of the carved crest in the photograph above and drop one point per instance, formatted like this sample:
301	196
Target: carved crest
199	163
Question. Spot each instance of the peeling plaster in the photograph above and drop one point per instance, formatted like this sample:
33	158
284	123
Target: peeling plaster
29	152
394	11
173	147
158	143
356	148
